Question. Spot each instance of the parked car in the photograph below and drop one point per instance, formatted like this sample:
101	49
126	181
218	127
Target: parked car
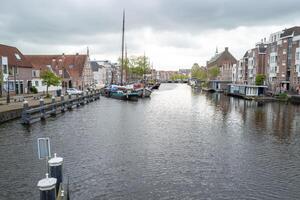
73	91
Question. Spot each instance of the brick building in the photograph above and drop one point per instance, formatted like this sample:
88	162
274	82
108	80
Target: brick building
224	61
16	70
283	60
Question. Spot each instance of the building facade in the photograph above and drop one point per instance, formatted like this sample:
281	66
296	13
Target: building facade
283	60
16	71
74	70
224	61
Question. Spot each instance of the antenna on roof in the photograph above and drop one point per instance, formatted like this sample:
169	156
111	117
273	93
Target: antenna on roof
217	50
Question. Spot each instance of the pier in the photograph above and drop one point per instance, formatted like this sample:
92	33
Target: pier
33	114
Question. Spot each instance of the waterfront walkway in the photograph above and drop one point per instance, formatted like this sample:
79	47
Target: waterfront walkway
4	107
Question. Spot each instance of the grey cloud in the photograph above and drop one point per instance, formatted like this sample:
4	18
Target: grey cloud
88	22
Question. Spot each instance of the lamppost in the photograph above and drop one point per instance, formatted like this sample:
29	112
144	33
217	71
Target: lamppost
8	96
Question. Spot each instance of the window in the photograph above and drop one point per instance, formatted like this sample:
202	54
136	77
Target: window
36	83
33	73
284	51
297	55
18	57
10	70
4	69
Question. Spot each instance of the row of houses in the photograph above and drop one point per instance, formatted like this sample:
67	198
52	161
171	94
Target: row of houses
166	76
277	58
20	72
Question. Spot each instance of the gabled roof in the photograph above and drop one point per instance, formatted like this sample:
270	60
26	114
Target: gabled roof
291	31
95	66
14	56
71	64
246	54
226	55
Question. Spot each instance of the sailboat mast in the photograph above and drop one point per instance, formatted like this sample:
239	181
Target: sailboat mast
122	59
126	64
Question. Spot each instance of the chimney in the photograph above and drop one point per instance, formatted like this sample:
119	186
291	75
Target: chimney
226	49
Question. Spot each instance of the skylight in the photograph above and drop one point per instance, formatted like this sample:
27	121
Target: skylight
18	57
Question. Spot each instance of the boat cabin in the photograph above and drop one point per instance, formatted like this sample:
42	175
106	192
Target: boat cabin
218	85
246	90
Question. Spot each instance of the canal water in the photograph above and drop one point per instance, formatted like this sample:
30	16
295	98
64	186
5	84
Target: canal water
180	144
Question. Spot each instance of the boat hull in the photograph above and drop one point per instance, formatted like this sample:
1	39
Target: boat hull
124	97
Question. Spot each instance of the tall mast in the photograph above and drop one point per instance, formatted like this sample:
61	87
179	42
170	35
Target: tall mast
122	59
126	64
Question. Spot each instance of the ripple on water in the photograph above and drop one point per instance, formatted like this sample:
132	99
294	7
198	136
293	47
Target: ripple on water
177	145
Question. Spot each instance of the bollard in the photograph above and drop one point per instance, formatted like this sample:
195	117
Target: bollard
25	114
47	188
53	110
82	98
78	101
55	165
70	104
42	109
87	96
62	100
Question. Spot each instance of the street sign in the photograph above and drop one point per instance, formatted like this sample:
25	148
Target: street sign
44	150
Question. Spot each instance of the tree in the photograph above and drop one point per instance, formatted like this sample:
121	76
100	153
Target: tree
49	78
259	79
198	72
137	66
181	77
213	72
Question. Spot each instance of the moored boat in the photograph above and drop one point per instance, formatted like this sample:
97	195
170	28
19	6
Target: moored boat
120	92
124	95
155	86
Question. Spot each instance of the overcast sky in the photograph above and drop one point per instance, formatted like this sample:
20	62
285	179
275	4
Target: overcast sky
174	34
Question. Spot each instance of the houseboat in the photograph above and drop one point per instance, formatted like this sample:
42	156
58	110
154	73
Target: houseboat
246	91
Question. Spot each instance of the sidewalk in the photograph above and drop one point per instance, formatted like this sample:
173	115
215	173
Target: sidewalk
13	110
17	105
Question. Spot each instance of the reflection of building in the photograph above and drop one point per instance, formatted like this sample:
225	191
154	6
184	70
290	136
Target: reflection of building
16	69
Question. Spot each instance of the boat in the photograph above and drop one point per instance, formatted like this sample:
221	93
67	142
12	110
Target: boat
144	92
124	95
155	86
120	92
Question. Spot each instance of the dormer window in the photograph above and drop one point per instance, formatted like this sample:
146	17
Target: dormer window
18	57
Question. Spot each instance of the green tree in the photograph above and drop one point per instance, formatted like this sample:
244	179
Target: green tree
49	78
198	72
213	72
259	79
181	77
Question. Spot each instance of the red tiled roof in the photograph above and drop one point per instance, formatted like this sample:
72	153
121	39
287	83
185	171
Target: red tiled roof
73	64
11	53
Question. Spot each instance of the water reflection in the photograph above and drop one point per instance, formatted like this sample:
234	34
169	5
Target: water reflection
278	119
180	144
